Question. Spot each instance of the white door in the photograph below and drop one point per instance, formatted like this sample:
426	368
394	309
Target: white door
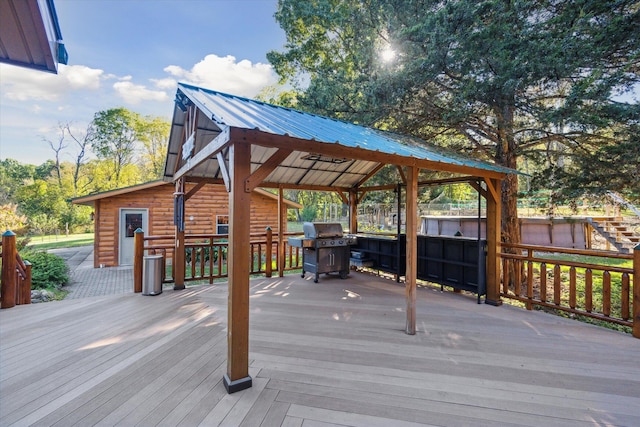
130	221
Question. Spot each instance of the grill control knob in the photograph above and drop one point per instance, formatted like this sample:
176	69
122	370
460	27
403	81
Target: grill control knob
333	242
324	243
340	242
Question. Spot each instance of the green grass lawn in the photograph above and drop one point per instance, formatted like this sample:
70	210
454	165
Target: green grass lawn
60	241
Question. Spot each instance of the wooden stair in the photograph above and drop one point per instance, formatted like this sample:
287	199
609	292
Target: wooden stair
617	231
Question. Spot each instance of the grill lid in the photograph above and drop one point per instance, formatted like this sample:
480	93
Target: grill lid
319	230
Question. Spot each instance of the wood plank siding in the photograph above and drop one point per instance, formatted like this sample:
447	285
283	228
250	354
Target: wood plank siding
208	202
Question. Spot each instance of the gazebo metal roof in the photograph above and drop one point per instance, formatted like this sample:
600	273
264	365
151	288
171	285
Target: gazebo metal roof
324	152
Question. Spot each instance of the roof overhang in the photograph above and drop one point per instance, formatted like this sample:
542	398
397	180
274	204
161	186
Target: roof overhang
30	35
293	149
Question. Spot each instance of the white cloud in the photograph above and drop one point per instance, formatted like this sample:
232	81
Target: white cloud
23	84
165	84
226	75
135	94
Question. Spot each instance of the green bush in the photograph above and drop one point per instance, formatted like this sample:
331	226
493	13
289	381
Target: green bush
309	213
48	271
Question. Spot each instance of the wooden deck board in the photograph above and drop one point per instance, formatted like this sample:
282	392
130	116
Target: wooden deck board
327	354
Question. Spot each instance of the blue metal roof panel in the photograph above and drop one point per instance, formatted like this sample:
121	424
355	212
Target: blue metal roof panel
234	111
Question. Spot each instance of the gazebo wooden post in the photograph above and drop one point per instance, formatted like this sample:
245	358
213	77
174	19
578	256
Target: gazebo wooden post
237	376
493	241
411	230
179	249
268	253
353	212
282	226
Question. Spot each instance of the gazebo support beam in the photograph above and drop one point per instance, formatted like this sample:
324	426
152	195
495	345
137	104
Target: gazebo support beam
493	242
178	254
353	212
412	247
282	225
237	377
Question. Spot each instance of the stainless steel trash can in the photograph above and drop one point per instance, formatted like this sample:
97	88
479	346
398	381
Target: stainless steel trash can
152	275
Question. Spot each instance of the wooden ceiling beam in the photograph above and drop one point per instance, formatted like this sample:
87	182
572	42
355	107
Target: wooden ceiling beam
194	190
208	151
264	139
266	168
370	174
402	175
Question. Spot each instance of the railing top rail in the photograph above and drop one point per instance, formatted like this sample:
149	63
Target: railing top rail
587	252
20	261
568	263
214	236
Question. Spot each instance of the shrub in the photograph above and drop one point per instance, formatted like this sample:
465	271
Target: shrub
308	213
48	271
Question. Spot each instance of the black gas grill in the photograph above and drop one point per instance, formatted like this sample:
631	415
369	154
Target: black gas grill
325	249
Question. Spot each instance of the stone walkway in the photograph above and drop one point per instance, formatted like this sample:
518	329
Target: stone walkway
86	281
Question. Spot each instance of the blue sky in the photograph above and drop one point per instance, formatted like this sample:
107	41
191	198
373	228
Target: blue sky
131	53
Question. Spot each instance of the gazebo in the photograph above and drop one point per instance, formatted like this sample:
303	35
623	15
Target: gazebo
244	144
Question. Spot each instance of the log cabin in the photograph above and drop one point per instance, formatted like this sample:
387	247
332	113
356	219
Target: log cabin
150	206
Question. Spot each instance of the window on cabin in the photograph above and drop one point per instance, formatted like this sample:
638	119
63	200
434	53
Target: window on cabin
222	224
133	222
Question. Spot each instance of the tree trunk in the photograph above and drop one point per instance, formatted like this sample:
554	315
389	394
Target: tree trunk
506	156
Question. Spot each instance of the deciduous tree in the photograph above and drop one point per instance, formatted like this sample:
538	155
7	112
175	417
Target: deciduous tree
114	137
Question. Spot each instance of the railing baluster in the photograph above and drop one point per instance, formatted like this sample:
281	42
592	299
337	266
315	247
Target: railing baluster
529	284
572	287
625	292
211	261
588	290
517	265
606	293
557	284
505	276
202	261
543	282
194	257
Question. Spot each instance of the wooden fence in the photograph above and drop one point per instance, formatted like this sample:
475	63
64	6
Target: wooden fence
15	287
599	285
206	256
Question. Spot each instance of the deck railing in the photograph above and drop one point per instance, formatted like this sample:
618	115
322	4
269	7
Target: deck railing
596	284
15	287
206	255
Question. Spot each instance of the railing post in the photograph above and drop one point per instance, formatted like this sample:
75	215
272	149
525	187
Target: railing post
636	291
8	269
138	255
26	284
268	254
179	261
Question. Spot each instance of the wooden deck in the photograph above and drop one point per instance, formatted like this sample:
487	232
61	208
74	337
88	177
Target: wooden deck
325	354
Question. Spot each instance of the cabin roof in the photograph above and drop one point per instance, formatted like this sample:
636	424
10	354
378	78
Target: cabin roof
30	35
90	199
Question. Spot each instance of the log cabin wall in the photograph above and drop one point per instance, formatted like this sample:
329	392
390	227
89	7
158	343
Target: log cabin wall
203	207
